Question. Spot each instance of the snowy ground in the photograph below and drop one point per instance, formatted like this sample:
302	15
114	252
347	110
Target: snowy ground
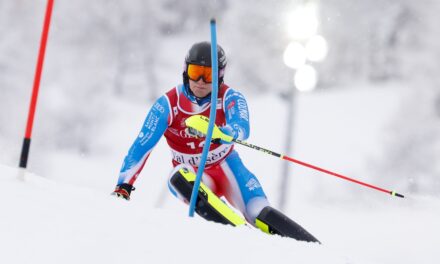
66	215
48	222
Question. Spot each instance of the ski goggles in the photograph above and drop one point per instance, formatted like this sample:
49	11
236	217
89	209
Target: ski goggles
195	72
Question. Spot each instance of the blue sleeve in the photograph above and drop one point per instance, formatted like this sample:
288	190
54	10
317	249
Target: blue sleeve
152	130
237	114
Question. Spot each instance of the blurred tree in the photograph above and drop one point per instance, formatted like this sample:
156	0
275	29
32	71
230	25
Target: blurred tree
413	146
256	38
102	49
367	40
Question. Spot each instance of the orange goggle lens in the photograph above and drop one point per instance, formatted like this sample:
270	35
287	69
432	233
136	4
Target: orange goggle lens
195	72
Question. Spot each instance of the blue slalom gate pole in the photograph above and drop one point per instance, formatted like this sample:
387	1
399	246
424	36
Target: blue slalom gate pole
212	113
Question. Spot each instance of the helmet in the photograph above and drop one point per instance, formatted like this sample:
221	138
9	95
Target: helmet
200	54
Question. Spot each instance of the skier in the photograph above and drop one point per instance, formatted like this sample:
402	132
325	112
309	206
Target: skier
224	175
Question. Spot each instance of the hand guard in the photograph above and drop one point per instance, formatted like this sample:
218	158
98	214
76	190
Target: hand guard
227	130
123	191
195	133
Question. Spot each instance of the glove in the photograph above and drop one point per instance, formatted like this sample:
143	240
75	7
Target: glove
123	191
227	130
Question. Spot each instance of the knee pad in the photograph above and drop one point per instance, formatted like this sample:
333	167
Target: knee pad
272	221
208	205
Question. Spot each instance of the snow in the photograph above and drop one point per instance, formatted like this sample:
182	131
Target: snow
44	221
48	222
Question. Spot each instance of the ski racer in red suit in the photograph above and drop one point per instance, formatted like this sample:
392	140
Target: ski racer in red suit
225	174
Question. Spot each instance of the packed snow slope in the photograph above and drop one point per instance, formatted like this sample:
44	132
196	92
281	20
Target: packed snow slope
47	222
43	221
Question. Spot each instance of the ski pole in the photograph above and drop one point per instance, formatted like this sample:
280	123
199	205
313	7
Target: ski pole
200	124
284	157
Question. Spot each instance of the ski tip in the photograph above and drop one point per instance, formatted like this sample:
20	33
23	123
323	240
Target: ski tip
393	193
213	21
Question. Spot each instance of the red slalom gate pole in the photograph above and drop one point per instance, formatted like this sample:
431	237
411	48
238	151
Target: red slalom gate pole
30	121
393	193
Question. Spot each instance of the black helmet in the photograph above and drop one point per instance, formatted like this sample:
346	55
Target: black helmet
200	54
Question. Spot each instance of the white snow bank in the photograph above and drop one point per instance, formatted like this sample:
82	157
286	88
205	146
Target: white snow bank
46	222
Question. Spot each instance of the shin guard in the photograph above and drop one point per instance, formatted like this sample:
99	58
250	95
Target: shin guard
272	221
208	205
